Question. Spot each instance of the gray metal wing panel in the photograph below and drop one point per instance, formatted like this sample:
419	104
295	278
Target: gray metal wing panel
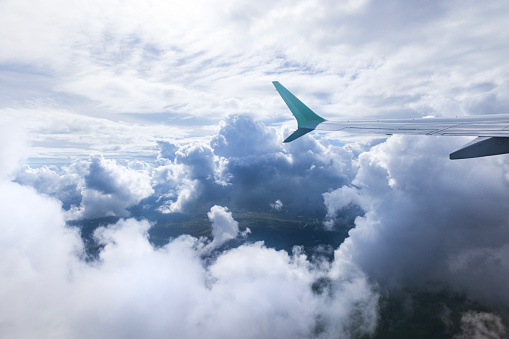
487	125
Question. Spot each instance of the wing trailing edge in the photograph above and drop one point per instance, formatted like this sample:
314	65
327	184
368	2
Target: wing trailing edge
482	147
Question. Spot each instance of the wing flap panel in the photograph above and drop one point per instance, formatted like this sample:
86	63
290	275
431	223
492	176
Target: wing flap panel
482	147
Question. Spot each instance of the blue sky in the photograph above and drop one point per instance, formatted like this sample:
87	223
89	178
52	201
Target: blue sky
139	108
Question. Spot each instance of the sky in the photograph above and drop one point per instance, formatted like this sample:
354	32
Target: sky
139	108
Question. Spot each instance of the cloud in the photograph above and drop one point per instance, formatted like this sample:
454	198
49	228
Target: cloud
481	325
244	166
428	218
137	290
58	135
413	226
277	205
167	150
257	162
40	256
91	189
64	184
247	167
339	202
13	147
419	216
495	101
150	59
110	189
224	227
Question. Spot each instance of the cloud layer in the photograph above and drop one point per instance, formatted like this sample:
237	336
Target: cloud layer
244	166
99	84
429	219
421	219
137	290
129	68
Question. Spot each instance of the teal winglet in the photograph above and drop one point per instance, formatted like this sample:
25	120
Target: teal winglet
298	133
307	120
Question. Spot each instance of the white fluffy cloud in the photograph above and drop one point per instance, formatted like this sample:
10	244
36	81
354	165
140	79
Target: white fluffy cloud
259	169
420	216
429	219
424	218
224	227
136	290
111	188
245	167
92	189
13	147
115	77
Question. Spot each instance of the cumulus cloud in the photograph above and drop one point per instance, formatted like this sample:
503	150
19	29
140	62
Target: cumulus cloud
245	166
110	189
137	290
134	289
277	205
65	183
259	169
419	216
406	199
167	150
414	225
339	203
428	218
91	188
224	227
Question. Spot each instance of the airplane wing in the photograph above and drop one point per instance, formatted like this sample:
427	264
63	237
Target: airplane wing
492	130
